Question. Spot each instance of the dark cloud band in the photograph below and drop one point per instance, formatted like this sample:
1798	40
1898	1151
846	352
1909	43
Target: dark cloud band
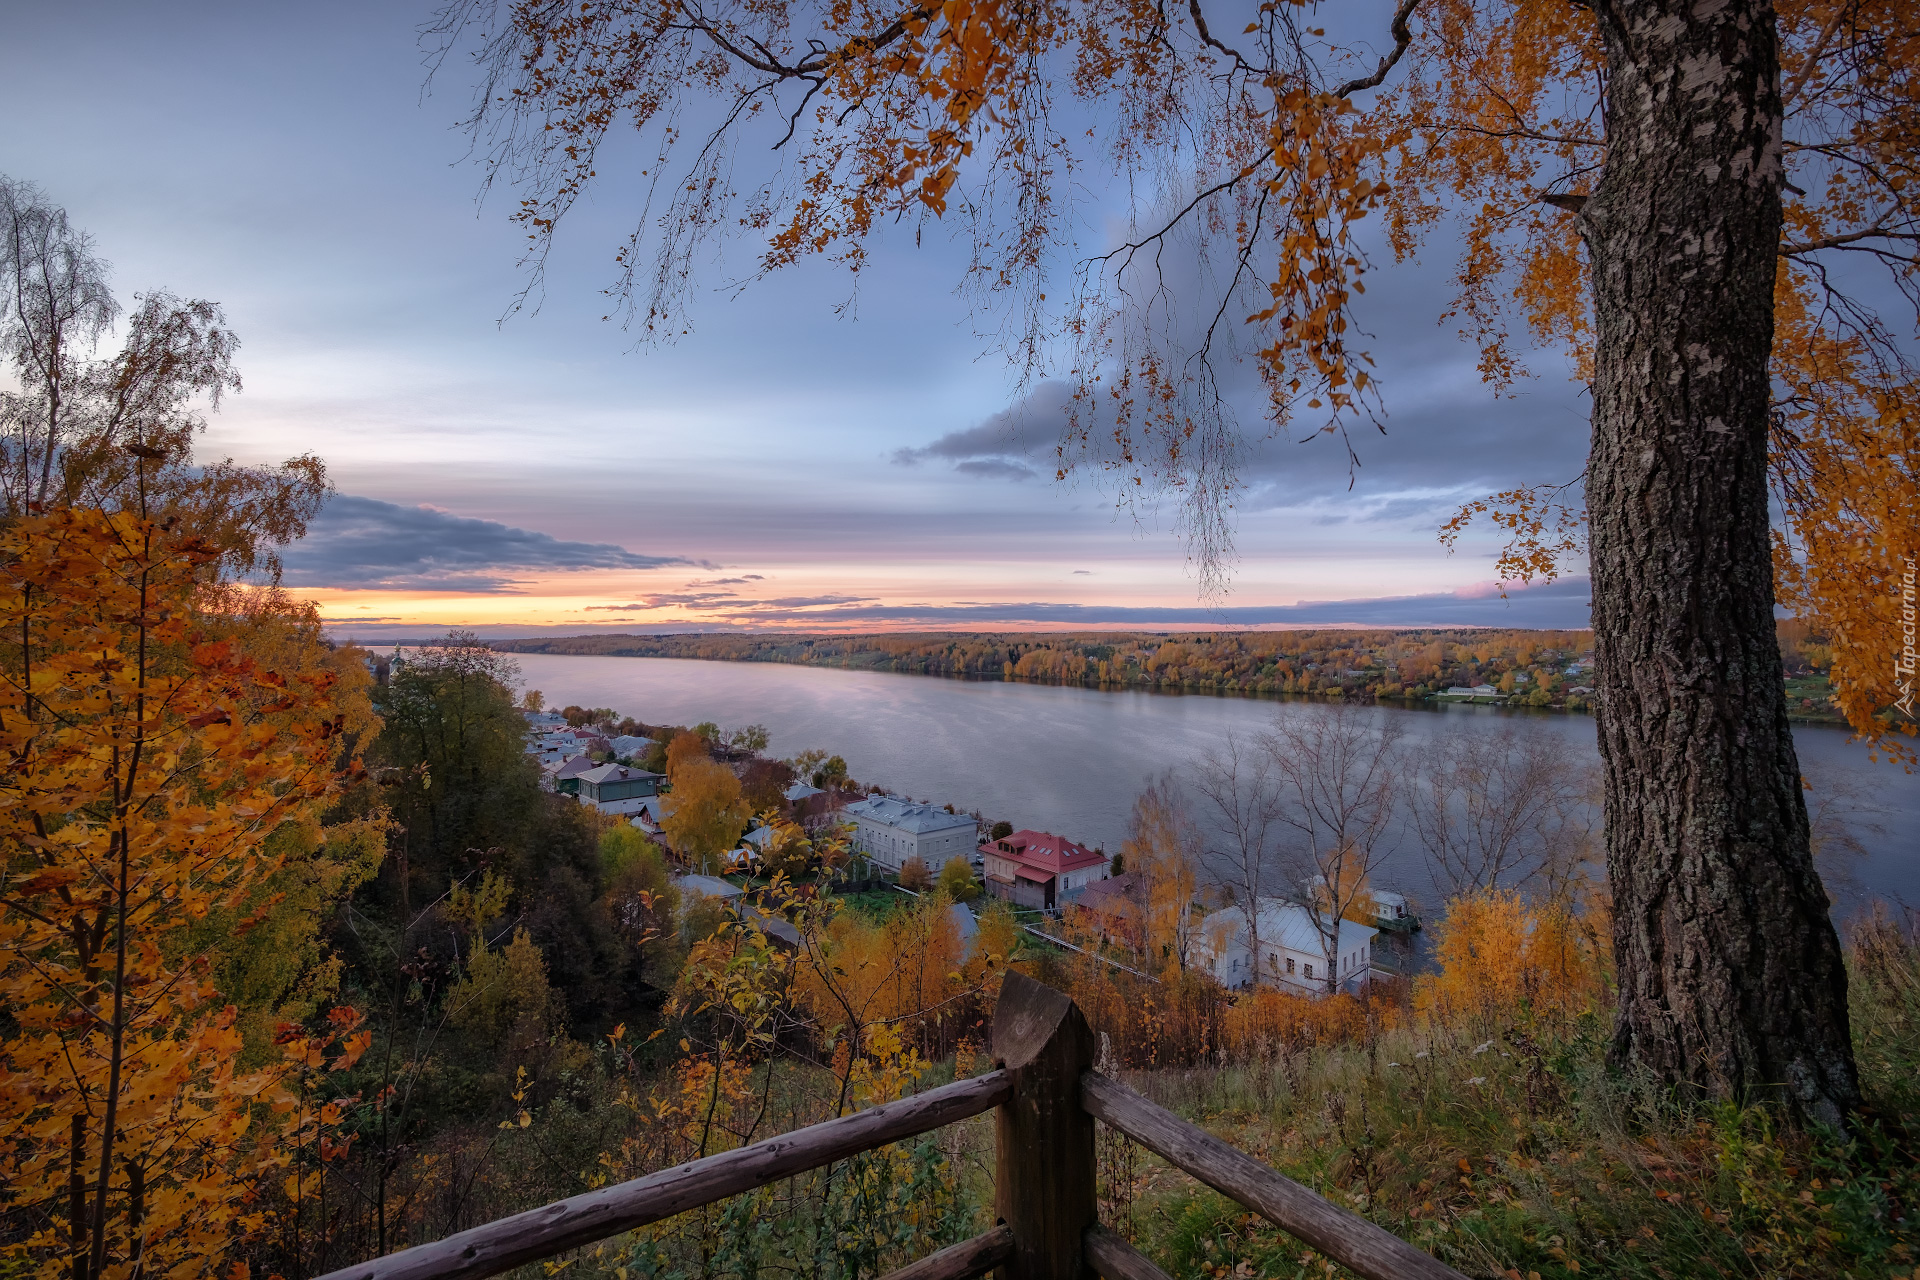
363	543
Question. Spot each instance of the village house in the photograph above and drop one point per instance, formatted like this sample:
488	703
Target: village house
889	831
628	745
646	817
562	773
1109	906
1037	869
564	742
618	788
1390	907
1293	953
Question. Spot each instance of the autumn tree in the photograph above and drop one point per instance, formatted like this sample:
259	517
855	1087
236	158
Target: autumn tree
1339	772
765	783
1663	191
956	881
683	748
116	431
153	761
1499	954
1162	852
786	850
704	816
1238	800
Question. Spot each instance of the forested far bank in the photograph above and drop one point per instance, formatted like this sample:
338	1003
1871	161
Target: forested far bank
1524	667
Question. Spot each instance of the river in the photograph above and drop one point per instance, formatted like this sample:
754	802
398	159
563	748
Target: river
1070	760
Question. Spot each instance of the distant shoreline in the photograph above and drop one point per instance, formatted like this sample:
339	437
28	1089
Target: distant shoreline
1305	664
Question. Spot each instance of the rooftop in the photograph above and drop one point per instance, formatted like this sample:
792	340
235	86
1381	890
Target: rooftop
1044	851
616	773
1284	924
1105	894
907	815
711	886
572	767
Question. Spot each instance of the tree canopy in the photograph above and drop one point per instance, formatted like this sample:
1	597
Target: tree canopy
1281	160
1672	197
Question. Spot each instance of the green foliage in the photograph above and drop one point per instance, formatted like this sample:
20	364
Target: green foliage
621	847
832	772
453	746
1000	830
751	738
654	760
957	882
701	917
505	1000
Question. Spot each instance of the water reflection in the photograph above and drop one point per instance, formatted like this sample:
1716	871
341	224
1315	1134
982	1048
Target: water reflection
1072	759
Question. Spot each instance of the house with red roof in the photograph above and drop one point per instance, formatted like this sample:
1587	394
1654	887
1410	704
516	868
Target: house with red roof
1036	869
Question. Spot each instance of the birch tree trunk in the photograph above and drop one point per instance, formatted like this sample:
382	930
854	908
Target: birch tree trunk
1730	970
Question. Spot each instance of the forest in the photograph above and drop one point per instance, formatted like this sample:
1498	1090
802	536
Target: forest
1398	665
302	964
381	986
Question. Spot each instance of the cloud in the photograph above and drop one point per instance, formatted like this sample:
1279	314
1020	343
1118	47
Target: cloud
1559	605
668	600
1087	572
1562	605
1000	446
367	544
995	469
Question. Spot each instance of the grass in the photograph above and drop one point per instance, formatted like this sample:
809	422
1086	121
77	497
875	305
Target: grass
1512	1151
876	904
1810	698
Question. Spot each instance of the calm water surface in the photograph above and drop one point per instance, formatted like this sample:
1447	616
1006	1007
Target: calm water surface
1071	760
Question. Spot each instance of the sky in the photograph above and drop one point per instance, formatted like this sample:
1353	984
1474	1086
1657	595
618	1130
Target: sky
788	464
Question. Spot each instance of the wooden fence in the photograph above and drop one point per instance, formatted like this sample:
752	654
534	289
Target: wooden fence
1047	1096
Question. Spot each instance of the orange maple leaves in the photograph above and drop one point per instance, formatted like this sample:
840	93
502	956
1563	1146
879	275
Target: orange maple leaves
143	767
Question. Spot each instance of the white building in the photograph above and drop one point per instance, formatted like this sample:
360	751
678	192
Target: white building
1293	952
890	831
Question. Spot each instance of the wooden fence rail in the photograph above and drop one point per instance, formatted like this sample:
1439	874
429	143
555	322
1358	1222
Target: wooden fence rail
1046	1097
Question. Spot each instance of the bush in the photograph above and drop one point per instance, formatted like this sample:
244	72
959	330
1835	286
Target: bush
957	882
915	876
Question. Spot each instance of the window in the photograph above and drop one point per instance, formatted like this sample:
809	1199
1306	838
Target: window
1309	971
1289	964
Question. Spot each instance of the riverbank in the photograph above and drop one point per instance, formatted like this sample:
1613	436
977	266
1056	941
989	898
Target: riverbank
1538	670
1071	759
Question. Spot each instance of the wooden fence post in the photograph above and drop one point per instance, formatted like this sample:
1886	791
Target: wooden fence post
1044	1164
